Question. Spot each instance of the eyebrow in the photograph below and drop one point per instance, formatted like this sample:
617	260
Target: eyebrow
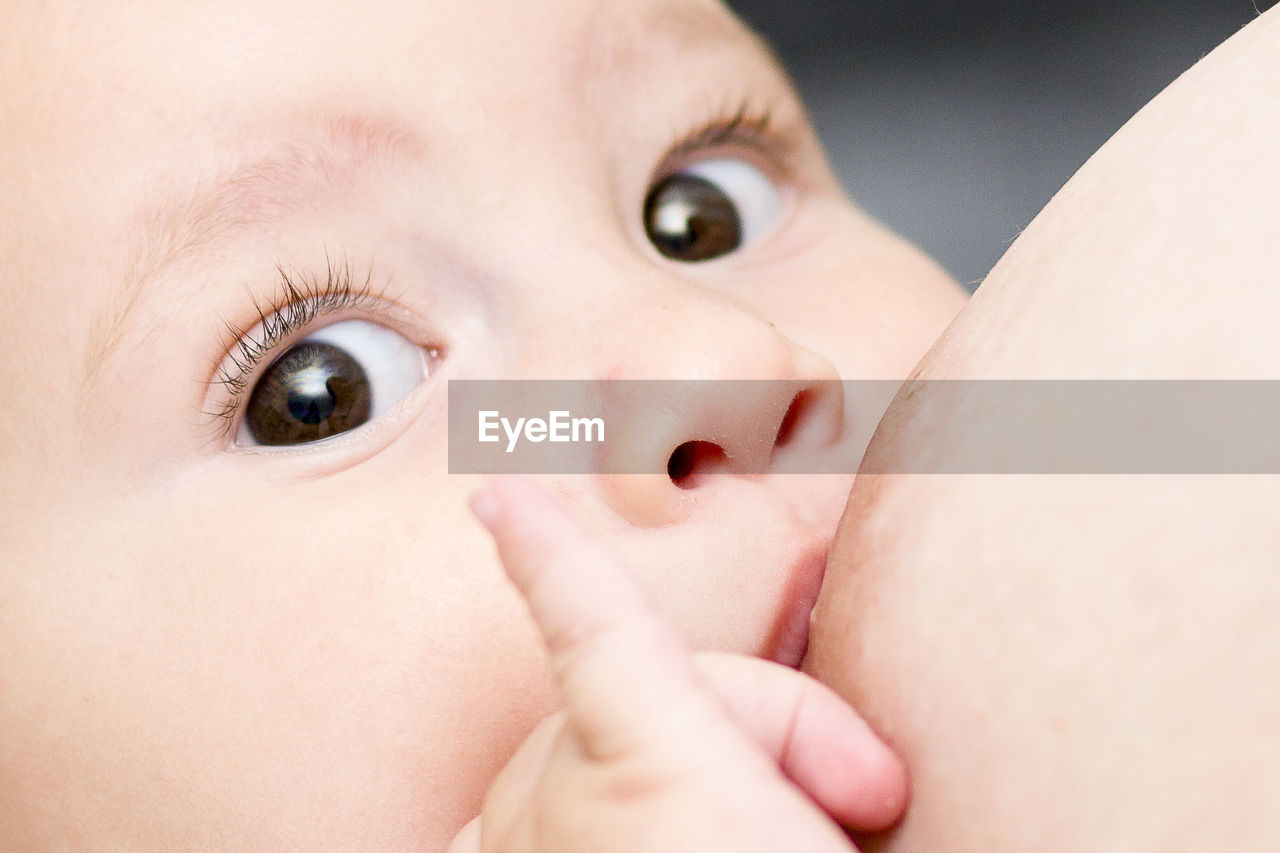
246	197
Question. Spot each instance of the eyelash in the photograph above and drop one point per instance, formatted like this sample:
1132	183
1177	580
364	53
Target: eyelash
301	299
742	125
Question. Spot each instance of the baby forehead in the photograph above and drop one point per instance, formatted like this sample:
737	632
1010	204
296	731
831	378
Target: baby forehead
236	40
82	90
102	106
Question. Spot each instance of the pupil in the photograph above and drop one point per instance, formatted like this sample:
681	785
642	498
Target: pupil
689	218
311	400
313	391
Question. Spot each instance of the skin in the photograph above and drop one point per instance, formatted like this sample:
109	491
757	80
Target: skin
1065	663
656	749
207	647
1091	655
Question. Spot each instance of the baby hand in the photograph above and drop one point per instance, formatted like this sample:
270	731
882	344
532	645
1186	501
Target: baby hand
657	750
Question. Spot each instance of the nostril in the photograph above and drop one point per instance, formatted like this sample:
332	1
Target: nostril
791	420
692	459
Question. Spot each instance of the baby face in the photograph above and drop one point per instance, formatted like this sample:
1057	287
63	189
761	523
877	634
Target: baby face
246	246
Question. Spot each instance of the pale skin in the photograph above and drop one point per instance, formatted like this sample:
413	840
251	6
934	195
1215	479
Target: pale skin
211	645
1065	663
656	750
1106	645
184	668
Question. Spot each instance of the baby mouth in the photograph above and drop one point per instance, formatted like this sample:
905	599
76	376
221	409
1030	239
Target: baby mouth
789	637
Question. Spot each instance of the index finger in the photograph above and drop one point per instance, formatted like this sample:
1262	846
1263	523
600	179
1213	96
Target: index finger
626	678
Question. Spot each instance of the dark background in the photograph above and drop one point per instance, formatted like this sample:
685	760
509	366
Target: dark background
955	121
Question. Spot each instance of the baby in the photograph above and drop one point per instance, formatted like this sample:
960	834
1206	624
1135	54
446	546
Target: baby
243	605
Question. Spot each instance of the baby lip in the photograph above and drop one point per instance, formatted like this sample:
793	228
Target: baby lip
789	637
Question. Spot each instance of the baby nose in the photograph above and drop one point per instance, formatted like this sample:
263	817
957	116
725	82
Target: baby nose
727	393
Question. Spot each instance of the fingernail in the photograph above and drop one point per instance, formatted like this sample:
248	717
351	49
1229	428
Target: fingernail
484	506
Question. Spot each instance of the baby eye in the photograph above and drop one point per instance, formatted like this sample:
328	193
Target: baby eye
330	382
710	209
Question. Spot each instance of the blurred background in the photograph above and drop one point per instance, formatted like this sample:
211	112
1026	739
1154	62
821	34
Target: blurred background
955	121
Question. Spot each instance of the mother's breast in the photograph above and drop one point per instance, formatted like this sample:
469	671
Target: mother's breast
1086	662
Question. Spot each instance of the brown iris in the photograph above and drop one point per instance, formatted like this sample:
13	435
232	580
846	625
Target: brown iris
313	391
689	218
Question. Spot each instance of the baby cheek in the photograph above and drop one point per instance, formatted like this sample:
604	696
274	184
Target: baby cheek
485	706
430	668
884	301
318	670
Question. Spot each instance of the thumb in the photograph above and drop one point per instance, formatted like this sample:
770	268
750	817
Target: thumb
814	737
